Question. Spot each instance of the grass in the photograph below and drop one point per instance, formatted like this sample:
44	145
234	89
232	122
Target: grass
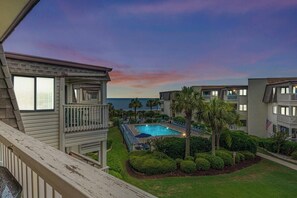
265	179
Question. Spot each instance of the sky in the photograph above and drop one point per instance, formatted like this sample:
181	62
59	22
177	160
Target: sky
161	45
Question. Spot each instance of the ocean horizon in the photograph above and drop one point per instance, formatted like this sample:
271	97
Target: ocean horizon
123	103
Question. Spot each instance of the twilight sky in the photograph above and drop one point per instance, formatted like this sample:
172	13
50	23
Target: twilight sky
159	45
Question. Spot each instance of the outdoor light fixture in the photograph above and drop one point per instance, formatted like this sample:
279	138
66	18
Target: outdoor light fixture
11	14
184	134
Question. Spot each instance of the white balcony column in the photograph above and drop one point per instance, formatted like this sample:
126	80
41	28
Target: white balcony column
103	92
102	153
62	118
69	94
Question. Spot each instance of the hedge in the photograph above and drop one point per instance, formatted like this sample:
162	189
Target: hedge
286	149
248	155
294	155
239	141
239	157
174	147
188	166
202	164
151	163
215	161
226	157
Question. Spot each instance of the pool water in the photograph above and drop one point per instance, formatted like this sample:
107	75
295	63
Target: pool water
156	130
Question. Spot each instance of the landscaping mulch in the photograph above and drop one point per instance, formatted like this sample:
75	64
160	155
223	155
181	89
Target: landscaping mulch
179	173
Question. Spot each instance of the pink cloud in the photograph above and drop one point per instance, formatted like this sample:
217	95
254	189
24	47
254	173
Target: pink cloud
213	6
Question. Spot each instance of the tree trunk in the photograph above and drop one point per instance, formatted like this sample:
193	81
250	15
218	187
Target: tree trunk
135	113
218	141
151	108
213	143
188	135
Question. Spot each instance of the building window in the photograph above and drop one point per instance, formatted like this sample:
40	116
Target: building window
214	93
294	111
285	90
284	111
243	92
273	90
274	109
206	93
34	93
243	123
242	107
294	91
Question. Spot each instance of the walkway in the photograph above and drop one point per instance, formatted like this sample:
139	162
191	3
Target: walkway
279	161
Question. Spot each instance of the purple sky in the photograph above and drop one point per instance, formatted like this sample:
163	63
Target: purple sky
159	45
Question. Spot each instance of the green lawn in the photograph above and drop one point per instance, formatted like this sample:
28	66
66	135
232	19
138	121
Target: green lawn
265	179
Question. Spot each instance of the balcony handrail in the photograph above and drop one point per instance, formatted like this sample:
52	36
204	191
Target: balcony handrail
85	117
44	171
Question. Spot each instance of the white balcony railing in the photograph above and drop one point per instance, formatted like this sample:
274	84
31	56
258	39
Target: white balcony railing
85	117
46	172
287	119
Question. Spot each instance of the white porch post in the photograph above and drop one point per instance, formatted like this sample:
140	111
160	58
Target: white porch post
62	118
102	153
69	93
103	92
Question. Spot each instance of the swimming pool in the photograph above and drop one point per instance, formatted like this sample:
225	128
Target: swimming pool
156	130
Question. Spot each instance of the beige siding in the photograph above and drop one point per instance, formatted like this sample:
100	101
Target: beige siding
85	137
44	126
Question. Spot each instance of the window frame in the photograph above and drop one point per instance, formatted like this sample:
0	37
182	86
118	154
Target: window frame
243	92
35	93
286	110
244	107
286	90
275	108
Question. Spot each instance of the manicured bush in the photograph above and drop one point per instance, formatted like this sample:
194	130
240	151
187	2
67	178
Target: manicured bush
179	119
188	166
294	155
248	155
226	157
178	161
288	148
174	147
215	161
202	164
151	163
239	141
189	158
239	157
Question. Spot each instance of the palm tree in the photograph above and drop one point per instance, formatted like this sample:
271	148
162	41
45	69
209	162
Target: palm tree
218	115
111	110
187	101
135	103
150	103
157	103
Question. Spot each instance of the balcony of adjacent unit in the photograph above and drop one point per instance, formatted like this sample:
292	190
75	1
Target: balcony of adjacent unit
210	94
231	95
43	171
287	115
287	93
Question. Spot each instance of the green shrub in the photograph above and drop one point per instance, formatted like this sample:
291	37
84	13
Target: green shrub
179	119
189	158
115	121
248	155
226	157
215	161
178	161
174	147
188	166
151	163
239	157
238	141
294	155
202	164
288	148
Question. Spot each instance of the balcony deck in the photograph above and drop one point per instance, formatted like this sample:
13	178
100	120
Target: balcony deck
44	171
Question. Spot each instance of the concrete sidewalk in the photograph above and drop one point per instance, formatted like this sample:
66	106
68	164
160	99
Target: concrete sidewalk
279	161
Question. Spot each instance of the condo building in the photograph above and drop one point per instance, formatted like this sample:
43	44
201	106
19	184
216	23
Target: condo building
265	105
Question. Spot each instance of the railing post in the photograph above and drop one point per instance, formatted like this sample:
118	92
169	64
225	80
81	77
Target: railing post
62	115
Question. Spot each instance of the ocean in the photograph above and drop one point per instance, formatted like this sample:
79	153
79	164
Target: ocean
123	103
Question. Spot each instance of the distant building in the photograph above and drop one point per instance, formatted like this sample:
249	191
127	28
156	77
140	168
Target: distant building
265	105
